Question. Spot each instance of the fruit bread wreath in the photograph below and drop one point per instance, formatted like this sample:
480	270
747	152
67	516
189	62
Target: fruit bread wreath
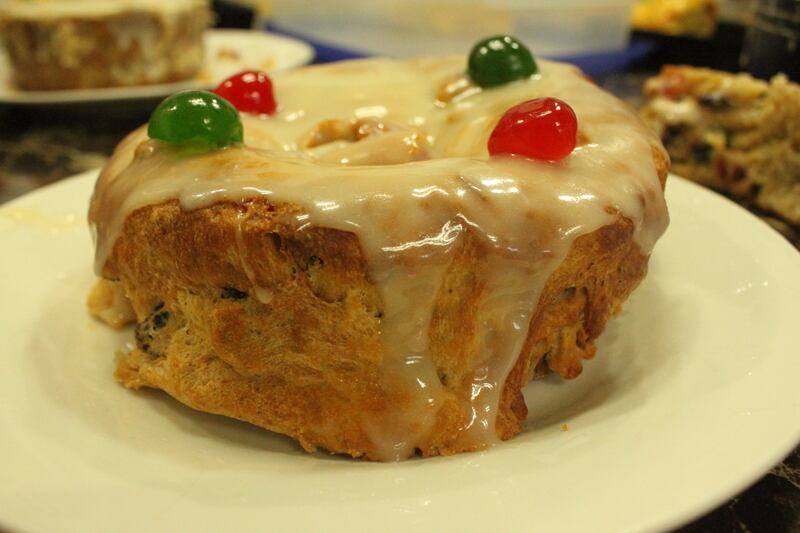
375	256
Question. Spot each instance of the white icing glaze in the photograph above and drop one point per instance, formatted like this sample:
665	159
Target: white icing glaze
410	216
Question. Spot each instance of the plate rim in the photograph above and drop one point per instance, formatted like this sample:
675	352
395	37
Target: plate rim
19	97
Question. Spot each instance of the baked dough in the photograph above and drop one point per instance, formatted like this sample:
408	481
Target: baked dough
361	275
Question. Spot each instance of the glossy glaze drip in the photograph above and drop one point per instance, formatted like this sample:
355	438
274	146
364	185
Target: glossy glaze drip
263	294
410	217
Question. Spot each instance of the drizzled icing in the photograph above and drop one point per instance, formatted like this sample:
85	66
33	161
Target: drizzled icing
409	193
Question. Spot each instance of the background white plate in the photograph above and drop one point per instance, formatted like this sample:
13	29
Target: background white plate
227	52
693	396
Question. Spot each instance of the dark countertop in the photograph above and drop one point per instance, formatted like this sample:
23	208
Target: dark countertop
40	146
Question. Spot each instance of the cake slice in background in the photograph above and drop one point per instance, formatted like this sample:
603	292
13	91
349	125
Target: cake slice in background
54	45
732	132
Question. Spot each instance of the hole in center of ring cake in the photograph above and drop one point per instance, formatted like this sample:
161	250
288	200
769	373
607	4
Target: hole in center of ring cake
366	141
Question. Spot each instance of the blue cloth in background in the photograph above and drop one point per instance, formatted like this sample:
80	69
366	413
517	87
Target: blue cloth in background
324	52
599	64
595	64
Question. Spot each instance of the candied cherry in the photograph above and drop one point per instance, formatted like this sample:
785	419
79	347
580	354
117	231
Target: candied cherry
198	118
544	128
249	91
499	60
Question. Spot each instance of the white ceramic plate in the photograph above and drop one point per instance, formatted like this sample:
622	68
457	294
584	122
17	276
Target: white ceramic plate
227	52
693	396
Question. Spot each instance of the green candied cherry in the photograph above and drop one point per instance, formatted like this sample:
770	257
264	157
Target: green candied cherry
499	60
197	118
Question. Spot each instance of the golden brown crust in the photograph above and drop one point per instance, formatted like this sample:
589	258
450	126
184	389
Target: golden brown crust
301	355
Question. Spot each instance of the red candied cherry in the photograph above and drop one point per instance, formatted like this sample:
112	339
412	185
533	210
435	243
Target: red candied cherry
249	91
544	128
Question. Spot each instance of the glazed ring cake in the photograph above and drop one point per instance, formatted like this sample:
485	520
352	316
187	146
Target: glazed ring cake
80	44
360	273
